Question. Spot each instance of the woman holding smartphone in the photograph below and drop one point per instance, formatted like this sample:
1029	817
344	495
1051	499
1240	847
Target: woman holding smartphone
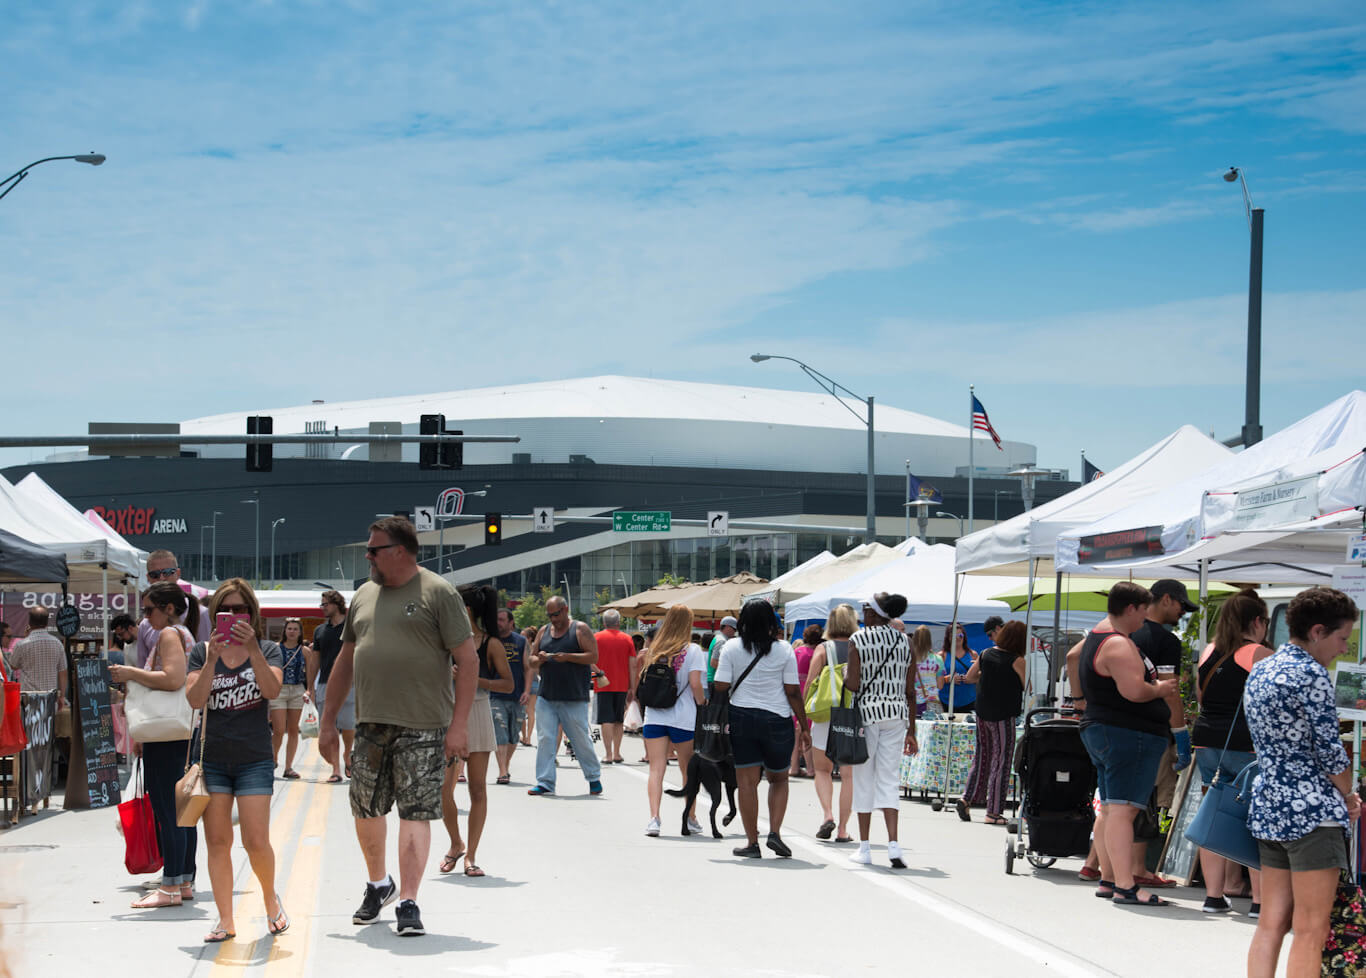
233	677
286	708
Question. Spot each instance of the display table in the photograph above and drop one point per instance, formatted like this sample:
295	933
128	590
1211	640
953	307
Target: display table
924	772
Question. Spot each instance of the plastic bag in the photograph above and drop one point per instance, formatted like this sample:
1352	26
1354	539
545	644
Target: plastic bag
633	720
308	723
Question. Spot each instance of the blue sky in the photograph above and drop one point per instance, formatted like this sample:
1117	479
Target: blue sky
351	199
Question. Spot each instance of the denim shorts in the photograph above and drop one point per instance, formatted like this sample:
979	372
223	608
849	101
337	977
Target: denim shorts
761	737
1126	762
1207	760
251	778
507	720
676	735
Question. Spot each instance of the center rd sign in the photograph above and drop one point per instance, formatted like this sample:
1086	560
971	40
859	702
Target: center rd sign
642	521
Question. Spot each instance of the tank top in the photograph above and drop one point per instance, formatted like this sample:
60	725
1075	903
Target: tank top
564	681
1000	694
1219	706
1105	704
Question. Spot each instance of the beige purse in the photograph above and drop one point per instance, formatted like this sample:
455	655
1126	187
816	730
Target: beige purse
191	794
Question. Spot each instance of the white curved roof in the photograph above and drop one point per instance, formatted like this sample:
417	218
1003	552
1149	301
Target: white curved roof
638	420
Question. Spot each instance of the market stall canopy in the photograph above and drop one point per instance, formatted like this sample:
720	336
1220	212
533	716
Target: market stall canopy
1007	547
22	562
1308	472
44	505
1081	593
716	600
648	602
926	578
85	551
774	587
856	561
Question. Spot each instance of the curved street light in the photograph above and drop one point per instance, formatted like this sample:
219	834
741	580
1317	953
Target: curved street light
870	529
1252	422
944	514
14	179
273	525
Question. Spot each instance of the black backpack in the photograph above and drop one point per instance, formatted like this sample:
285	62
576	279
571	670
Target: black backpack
658	686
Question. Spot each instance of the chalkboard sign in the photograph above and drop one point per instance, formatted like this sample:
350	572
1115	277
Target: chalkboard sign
96	722
1178	857
40	712
68	620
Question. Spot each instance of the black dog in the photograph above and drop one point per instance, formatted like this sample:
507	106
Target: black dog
713	775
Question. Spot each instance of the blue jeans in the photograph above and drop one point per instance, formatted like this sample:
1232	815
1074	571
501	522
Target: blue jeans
1207	761
1126	762
163	763
572	716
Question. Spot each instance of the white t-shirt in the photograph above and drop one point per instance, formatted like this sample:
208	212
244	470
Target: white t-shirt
683	714
763	687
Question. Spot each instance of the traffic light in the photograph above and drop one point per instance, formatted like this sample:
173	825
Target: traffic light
493	529
429	453
260	458
452	454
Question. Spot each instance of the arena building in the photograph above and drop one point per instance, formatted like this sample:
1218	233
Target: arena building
787	466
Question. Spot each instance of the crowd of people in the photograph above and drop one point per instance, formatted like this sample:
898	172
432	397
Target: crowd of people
419	685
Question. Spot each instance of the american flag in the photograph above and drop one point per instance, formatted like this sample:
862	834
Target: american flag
981	422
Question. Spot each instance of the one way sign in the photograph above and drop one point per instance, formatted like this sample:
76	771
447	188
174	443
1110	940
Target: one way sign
718	523
543	519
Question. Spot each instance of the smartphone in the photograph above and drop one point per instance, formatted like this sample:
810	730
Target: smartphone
223	626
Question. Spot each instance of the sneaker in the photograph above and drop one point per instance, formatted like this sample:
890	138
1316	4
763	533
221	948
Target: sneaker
376	898
595	787
695	827
1254	911
1216	905
540	790
409	920
652	828
862	855
1088	875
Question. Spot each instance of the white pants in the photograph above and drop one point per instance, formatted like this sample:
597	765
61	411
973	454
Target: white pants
878	782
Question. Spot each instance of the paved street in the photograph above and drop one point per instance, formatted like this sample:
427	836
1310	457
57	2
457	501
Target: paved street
575	888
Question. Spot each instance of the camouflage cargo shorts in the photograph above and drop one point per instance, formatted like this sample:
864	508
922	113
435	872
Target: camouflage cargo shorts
397	764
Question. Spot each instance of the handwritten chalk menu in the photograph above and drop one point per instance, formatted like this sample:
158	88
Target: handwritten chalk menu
40	713
96	725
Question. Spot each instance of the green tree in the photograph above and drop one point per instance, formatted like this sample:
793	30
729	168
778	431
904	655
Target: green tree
530	613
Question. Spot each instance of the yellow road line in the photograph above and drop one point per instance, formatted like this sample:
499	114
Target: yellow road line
289	952
240	953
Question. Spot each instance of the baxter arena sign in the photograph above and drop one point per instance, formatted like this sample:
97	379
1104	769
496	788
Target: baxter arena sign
138	521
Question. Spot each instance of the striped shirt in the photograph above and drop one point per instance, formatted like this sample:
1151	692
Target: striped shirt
884	659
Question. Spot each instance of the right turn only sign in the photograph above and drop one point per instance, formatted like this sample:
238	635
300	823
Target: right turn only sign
718	523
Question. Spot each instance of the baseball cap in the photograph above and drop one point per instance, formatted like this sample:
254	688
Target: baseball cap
729	620
1174	589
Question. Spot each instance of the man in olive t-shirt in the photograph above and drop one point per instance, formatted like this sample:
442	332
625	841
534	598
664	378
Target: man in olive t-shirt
405	627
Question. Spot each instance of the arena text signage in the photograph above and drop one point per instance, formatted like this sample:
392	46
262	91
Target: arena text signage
140	521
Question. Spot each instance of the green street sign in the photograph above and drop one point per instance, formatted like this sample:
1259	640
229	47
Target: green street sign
642	521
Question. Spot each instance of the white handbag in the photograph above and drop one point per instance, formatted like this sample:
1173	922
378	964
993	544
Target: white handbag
157	715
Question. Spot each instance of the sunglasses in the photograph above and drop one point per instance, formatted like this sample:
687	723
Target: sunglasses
153	575
147	610
234	609
371	551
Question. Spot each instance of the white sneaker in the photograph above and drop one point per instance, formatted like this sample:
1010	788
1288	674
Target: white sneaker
695	827
863	856
652	828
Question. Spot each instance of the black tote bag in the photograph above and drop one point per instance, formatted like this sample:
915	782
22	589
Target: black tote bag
711	734
845	744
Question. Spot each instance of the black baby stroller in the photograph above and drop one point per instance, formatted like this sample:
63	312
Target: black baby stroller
1057	782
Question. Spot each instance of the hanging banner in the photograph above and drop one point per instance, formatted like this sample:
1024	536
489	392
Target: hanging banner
1261	507
40	713
1145	541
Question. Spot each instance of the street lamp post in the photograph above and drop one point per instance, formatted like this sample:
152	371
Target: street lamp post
870	530
1252	422
996	495
213	570
14	179
953	516
256	501
273	525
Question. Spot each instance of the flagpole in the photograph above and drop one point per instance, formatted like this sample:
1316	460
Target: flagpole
971	426
1082	478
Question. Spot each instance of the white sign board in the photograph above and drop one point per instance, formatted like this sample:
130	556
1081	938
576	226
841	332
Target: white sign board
424	517
1261	506
543	519
1349	690
1356	549
718	523
1351	581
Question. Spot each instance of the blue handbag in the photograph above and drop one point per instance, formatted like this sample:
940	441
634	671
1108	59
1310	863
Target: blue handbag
1220	824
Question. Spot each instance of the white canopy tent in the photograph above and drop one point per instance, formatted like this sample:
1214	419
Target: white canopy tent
1257	516
770	592
797	585
1007	547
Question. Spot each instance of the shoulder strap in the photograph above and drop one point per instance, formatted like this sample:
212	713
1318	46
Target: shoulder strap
1219	664
736	685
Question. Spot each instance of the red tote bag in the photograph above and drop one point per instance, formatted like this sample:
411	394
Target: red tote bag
12	736
141	852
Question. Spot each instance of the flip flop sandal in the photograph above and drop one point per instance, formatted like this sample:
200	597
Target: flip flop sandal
826	830
156	899
291	774
993	820
504	779
280	922
961	807
335	779
1105	890
218	935
448	861
843	838
473	870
